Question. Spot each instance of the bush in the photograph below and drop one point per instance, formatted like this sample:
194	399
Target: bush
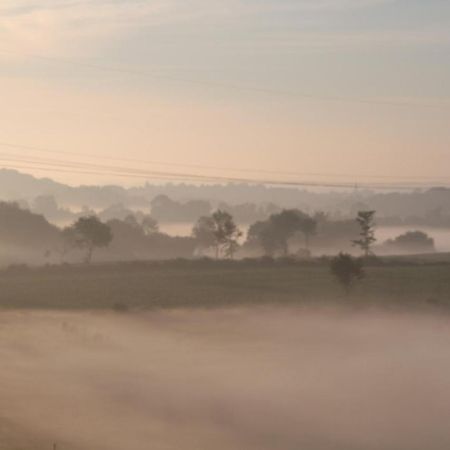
347	270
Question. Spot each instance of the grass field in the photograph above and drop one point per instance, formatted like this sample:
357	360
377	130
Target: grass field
142	285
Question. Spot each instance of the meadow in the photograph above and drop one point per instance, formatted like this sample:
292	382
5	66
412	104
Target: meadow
208	284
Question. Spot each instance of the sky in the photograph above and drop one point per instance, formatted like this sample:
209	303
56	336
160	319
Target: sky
349	90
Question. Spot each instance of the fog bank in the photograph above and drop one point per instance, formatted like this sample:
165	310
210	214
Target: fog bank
250	379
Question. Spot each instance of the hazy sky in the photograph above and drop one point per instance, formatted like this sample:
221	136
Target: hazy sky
331	86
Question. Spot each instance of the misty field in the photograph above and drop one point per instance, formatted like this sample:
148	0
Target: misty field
188	284
224	356
265	378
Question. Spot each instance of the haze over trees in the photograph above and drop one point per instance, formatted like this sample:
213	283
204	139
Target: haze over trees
165	209
28	237
410	242
247	203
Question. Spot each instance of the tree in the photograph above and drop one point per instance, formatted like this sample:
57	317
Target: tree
218	231
285	225
274	234
226	234
347	270
366	223
411	242
89	233
262	233
203	232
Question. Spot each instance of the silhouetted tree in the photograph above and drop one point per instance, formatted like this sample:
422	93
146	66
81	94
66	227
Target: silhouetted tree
89	233
218	231
226	234
411	242
347	269
203	232
284	226
366	223
262	233
274	234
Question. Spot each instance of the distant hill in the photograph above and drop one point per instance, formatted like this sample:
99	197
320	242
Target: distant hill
16	186
430	207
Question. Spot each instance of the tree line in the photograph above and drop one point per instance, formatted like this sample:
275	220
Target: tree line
290	232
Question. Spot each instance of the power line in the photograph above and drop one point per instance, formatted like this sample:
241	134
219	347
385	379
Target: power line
238	87
198	166
77	168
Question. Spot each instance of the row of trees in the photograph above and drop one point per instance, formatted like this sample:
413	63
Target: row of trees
166	209
219	235
220	232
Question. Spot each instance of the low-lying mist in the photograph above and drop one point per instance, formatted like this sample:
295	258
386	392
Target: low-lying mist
250	379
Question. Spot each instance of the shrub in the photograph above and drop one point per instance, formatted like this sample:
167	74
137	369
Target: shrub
347	270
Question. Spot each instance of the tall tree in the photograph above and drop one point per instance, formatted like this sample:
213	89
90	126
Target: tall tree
366	221
89	233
